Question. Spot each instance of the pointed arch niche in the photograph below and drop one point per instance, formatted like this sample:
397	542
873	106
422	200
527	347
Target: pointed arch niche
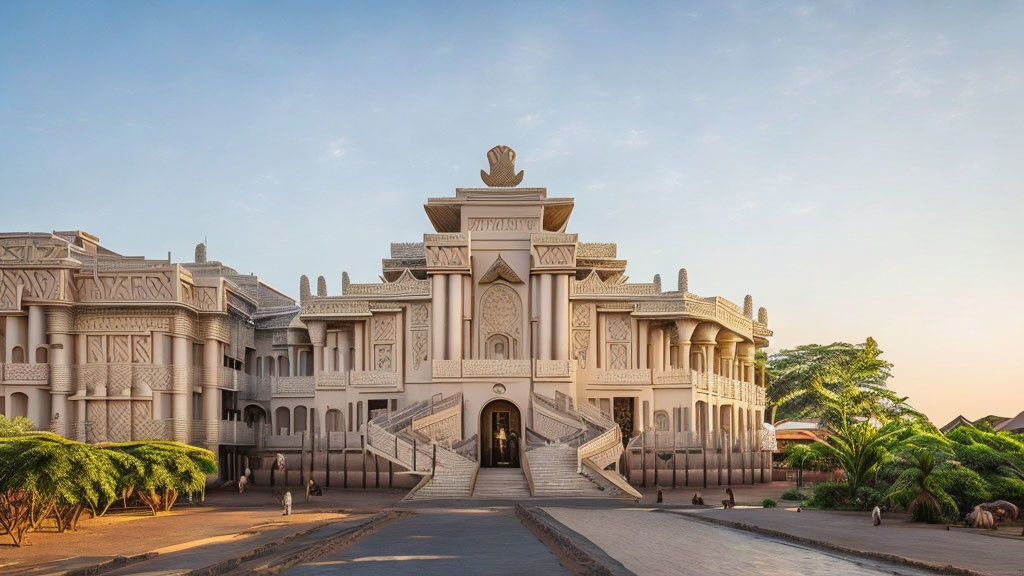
501	312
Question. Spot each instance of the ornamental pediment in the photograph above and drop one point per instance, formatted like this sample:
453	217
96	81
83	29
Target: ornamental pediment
592	285
405	285
500	270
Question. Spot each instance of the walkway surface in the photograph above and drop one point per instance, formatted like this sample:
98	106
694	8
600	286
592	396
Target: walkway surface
654	543
444	541
978	551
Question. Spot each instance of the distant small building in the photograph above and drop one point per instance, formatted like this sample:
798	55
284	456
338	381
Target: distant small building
995	421
798	432
1015	424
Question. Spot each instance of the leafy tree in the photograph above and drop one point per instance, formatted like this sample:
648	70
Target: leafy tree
43	475
165	470
800	378
918	488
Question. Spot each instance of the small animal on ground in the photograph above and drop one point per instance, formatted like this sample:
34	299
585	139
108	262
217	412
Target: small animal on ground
659	495
980	518
287	503
876	516
697	500
731	502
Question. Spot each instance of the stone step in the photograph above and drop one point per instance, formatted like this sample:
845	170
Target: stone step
498	483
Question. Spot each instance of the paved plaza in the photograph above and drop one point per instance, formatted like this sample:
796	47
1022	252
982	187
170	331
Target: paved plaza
471	537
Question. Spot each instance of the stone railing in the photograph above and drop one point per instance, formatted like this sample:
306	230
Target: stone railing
635	376
332	380
544	369
674	376
256	388
294	386
481	368
725	388
236	432
34	373
373	379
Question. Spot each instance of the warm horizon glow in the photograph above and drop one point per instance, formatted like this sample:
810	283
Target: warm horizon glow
856	167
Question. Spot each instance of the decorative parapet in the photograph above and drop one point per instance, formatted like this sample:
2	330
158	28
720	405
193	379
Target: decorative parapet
596	250
762	330
294	386
676	376
39	284
553	252
158	284
405	285
592	285
446	368
447	252
332	380
496	368
334	307
256	388
554	369
635	376
24	373
235	432
35	250
373	379
714	309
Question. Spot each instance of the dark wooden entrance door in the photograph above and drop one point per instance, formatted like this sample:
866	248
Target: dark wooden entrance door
500	435
622	412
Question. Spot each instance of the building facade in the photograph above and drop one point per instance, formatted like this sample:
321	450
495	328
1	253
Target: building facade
498	338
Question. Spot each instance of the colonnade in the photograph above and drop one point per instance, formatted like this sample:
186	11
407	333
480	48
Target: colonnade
551	292
449	321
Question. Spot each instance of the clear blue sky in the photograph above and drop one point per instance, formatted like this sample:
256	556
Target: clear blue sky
857	167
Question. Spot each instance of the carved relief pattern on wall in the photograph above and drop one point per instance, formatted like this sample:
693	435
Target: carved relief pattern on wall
501	313
119	421
127	286
581	333
118	349
141	413
383	354
384	328
618	356
419	317
39	284
123	320
36	251
94	349
141	350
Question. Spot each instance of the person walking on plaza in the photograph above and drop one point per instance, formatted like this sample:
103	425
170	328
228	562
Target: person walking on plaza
241	484
287	502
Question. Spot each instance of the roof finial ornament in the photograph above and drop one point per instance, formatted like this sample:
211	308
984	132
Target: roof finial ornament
748	306
503	168
200	253
321	287
304	293
683	281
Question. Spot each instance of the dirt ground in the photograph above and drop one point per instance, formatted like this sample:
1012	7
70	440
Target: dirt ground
225	515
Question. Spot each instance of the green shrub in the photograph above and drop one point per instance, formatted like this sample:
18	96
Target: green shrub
830	495
1006	488
869	497
768	503
965	486
794	494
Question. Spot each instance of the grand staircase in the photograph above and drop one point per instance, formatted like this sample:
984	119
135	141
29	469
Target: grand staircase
425	440
501	484
568	453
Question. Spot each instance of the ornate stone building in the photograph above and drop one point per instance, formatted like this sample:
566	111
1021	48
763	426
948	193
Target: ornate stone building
499	341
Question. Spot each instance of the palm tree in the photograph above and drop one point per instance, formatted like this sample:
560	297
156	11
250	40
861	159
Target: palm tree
800	456
918	489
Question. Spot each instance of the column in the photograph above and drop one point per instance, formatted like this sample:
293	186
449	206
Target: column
454	325
642	352
438	307
546	313
344	345
667	356
602	329
36	334
62	350
180	386
330	352
658	350
561	313
211	393
357	354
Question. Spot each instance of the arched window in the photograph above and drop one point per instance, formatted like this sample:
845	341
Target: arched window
19	405
335	421
41	354
282	366
497	347
300	419
283	421
18	355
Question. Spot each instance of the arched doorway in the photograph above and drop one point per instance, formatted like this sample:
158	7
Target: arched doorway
500	435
